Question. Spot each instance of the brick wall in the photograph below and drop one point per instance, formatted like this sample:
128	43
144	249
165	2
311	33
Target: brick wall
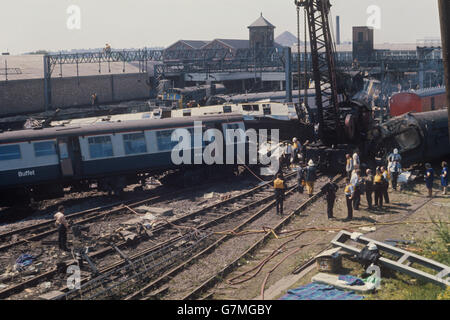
27	96
21	96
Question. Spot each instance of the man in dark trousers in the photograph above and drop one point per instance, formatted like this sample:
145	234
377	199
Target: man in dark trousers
62	225
395	170
358	185
300	179
278	185
385	174
369	188
310	177
349	192
330	190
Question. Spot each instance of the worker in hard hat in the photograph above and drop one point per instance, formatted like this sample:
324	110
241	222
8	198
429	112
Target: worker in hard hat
278	185
310	177
394	167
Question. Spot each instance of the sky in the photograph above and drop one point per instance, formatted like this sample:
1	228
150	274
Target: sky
29	25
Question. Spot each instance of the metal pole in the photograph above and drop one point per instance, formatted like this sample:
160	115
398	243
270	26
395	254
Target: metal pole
47	83
288	72
306	66
298	57
444	10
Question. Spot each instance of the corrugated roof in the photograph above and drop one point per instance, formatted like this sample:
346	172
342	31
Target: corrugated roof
235	43
261	22
196	44
427	92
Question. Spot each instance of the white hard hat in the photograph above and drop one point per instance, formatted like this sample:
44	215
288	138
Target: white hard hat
294	140
372	246
311	163
395	151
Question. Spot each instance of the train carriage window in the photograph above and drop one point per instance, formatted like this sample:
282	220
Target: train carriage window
256	107
247	107
164	140
267	109
100	147
226	109
134	143
43	149
10	152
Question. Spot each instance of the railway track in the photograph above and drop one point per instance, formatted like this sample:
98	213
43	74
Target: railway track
174	262
44	229
211	281
161	235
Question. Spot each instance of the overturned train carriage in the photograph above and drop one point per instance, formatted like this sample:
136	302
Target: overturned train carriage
419	137
41	163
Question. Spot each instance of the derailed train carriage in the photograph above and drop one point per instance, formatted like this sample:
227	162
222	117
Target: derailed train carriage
41	163
419	137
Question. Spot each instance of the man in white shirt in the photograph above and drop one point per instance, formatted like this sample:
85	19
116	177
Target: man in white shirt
62	225
356	161
288	154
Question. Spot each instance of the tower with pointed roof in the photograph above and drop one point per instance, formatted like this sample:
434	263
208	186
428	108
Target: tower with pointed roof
261	33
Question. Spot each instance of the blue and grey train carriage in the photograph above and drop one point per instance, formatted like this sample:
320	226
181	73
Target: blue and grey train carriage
41	163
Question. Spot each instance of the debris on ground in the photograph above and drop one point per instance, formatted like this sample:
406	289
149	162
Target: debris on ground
368	229
51	295
156	211
403	258
209	195
45	286
329	261
23	261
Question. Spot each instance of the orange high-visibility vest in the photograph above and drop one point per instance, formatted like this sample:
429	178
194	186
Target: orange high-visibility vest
349	190
278	184
378	178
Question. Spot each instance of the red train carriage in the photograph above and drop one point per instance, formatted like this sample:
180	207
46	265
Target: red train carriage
418	101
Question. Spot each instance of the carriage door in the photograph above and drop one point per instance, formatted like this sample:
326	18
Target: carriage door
64	158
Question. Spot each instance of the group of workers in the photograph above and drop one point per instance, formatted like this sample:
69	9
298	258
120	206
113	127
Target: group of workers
291	153
374	186
429	178
306	177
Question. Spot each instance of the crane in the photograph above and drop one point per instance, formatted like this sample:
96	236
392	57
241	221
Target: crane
340	119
